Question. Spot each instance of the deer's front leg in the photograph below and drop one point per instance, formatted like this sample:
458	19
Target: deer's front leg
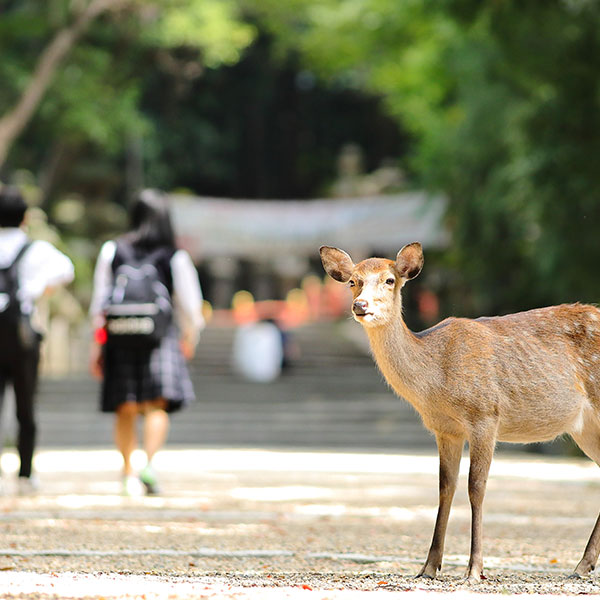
450	451
481	450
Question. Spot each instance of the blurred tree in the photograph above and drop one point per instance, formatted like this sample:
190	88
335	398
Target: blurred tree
124	110
39	41
69	100
502	100
265	127
15	119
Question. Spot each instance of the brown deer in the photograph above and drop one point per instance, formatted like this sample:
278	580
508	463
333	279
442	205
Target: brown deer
524	377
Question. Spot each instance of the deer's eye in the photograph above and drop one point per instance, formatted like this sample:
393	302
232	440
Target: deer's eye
352	283
390	281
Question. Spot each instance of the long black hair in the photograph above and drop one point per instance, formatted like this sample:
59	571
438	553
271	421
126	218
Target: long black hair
150	221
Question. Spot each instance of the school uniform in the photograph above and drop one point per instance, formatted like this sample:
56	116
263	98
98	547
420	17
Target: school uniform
41	266
135	375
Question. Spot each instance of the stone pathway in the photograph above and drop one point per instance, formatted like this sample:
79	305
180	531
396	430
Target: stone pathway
253	524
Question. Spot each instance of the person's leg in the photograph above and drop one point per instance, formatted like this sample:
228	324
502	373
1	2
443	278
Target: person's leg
25	374
2	390
156	430
125	433
126	441
2	426
156	427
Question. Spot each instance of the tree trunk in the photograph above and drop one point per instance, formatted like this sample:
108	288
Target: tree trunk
16	119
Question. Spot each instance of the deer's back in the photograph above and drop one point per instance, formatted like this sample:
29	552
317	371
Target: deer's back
538	371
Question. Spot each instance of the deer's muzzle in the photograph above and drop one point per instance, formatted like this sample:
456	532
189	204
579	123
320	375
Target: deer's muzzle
359	308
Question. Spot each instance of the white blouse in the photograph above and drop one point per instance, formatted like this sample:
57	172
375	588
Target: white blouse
42	266
187	294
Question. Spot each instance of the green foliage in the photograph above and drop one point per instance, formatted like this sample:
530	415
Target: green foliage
93	110
264	128
522	154
93	101
502	101
211	26
95	96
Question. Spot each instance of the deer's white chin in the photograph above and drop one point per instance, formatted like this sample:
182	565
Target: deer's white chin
368	319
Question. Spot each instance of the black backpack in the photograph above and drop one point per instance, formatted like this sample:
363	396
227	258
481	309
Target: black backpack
139	310
15	327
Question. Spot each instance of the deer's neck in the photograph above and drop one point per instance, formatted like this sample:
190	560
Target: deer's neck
404	360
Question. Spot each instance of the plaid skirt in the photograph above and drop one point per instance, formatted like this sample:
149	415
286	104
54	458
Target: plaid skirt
131	375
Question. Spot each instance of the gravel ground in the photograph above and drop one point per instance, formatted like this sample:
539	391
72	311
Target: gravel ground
245	524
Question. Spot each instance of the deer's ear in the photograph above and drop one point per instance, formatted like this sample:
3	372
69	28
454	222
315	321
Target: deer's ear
409	260
336	263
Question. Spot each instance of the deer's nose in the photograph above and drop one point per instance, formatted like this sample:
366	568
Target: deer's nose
359	307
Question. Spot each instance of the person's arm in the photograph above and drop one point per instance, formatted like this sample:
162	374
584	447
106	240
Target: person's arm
101	289
187	296
42	269
102	282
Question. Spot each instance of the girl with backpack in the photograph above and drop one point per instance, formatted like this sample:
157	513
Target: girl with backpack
146	312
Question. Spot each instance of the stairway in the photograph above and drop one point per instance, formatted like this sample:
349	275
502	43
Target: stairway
331	397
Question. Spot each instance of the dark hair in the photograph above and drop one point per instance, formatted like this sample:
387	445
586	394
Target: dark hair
12	206
150	221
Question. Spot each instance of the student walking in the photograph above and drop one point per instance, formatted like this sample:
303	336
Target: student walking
28	270
146	312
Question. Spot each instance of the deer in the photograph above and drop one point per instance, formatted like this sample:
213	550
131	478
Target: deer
524	377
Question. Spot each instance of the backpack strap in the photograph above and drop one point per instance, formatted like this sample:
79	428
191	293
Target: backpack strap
21	253
123	254
13	268
12	274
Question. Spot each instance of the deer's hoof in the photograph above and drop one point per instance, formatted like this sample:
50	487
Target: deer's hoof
474	577
428	571
583	569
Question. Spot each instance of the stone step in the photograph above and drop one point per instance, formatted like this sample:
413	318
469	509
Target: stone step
269	415
333	396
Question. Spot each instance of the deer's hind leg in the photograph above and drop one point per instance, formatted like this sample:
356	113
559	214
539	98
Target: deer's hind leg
589	441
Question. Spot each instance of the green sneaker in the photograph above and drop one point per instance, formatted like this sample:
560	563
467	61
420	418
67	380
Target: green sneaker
150	481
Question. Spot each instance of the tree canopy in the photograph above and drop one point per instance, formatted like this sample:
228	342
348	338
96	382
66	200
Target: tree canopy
502	103
495	104
79	62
